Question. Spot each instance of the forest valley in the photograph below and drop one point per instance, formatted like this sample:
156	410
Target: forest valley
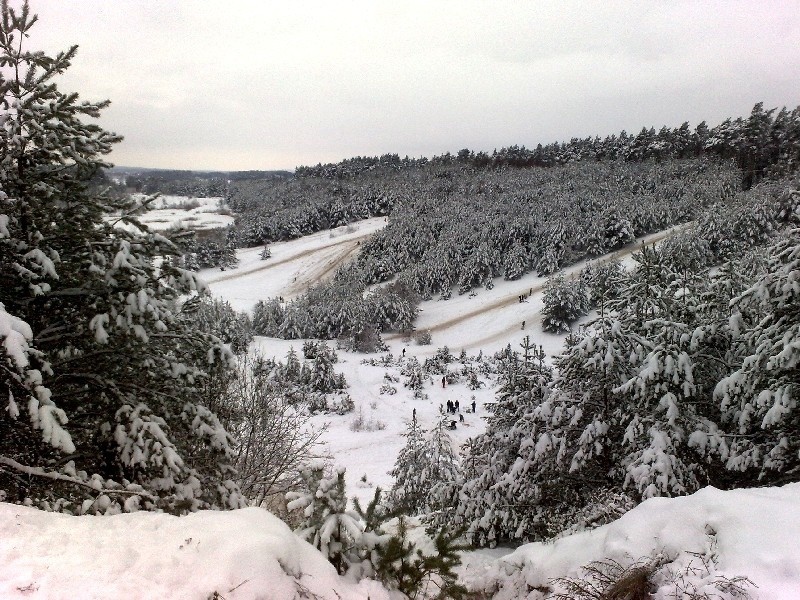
126	387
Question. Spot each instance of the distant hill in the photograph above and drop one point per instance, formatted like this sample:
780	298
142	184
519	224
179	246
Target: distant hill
177	174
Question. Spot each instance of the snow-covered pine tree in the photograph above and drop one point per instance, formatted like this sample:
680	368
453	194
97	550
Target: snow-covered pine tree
295	323
617	230
406	568
515	262
327	523
664	414
373	537
293	368
416	378
267	317
108	417
208	254
492	512
440	474
564	303
602	281
479	268
688	250
714	350
641	294
228	258
217	317
265	253
759	399
319	375
571	453
667	406
409	492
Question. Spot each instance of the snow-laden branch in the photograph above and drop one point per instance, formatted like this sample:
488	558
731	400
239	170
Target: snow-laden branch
55	476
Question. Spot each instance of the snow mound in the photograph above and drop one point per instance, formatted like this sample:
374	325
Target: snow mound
747	532
242	554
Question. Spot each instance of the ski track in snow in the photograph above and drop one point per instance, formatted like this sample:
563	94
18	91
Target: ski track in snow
486	333
233	274
324	269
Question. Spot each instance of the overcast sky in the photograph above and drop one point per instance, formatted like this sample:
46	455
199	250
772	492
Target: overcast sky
201	84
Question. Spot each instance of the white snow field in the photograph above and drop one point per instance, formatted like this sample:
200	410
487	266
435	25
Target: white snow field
185	212
249	554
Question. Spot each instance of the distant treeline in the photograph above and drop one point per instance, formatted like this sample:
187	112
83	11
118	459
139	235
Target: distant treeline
766	142
188	183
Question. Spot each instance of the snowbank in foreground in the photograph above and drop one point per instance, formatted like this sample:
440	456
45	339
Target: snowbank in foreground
243	554
249	554
752	532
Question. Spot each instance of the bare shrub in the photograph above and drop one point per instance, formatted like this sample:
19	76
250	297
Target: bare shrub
273	439
189	204
610	580
362	423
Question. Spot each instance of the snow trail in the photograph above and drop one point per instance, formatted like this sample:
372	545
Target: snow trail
529	310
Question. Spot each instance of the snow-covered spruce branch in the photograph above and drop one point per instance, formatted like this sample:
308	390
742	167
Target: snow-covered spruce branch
118	386
725	364
55	476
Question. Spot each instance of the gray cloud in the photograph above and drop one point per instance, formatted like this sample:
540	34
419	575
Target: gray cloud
273	85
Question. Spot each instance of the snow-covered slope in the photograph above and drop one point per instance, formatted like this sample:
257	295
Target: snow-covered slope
293	267
249	554
243	554
486	320
749	532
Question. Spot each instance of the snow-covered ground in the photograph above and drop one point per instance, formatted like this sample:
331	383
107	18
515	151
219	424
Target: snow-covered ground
711	534
249	554
293	267
243	554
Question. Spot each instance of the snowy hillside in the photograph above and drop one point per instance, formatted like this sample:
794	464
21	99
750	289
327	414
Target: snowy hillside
249	554
700	539
485	322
